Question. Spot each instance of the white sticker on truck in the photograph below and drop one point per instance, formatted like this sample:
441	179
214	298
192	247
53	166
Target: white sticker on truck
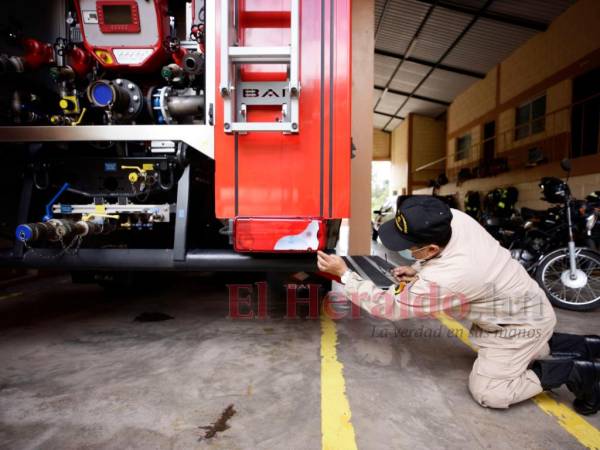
306	240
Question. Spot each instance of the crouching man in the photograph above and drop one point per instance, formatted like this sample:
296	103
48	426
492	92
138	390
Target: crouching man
458	265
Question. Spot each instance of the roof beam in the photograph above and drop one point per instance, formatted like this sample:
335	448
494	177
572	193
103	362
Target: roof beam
415	96
462	34
392	116
409	48
422	62
491	15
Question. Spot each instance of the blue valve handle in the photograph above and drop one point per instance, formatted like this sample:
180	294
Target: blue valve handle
48	215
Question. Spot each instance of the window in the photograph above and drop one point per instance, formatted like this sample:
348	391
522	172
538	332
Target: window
530	118
585	116
463	145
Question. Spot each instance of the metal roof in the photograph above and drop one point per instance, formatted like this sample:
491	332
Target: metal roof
429	51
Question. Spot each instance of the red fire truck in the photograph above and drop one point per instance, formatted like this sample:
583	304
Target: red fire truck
173	134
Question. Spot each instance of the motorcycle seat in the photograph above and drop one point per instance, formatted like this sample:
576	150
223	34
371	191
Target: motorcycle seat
528	213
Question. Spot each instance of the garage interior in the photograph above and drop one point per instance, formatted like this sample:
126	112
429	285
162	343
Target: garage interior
448	97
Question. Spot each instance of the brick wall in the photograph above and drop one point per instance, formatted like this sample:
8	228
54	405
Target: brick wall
570	37
546	65
381	145
399	158
473	103
558	98
526	182
428	145
474	152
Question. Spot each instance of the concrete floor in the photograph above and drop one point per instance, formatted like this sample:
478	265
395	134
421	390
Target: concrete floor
78	372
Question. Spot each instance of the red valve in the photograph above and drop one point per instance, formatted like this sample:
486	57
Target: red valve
80	61
37	54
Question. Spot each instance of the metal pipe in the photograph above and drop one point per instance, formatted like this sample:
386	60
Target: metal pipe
415	96
159	259
185	105
432	163
423	62
193	63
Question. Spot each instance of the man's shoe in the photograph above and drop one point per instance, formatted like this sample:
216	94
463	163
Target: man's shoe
590	404
584	382
592	342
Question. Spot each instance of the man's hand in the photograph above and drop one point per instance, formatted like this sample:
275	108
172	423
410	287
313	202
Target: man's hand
332	264
404	273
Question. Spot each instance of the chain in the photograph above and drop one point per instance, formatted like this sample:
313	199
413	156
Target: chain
71	249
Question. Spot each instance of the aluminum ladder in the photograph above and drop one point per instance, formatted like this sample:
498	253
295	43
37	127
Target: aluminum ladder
234	91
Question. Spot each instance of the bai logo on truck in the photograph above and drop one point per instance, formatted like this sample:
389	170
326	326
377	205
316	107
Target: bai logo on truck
264	93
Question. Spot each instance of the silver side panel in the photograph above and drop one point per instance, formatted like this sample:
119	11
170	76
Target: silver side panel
199	137
211	63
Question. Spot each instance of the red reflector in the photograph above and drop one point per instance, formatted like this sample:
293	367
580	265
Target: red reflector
252	234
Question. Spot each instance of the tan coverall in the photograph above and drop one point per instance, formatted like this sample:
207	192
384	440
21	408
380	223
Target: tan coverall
512	320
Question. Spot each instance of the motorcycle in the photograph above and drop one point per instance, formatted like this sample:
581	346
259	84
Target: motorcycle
381	215
558	247
499	216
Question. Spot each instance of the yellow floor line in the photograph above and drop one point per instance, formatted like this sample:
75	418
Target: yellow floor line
586	433
336	427
11	295
456	327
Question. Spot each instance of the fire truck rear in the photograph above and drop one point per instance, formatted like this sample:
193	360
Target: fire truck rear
165	134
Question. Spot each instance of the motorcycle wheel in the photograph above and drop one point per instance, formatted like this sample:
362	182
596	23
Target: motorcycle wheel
553	269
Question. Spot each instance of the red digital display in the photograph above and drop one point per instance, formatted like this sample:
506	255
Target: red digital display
118	16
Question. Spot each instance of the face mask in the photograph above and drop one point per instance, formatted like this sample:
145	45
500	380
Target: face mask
407	254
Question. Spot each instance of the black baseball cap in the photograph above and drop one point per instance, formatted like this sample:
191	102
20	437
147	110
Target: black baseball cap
420	219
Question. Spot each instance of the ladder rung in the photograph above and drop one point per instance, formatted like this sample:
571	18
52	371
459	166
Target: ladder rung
263	126
260	55
265	19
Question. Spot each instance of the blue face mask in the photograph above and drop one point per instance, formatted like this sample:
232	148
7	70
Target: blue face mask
407	254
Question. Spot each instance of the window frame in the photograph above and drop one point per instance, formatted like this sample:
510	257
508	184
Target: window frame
464	153
533	125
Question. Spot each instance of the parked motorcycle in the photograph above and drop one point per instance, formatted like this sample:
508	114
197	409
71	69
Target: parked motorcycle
558	246
499	216
383	214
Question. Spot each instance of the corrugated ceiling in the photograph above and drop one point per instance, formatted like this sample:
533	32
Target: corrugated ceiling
458	42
